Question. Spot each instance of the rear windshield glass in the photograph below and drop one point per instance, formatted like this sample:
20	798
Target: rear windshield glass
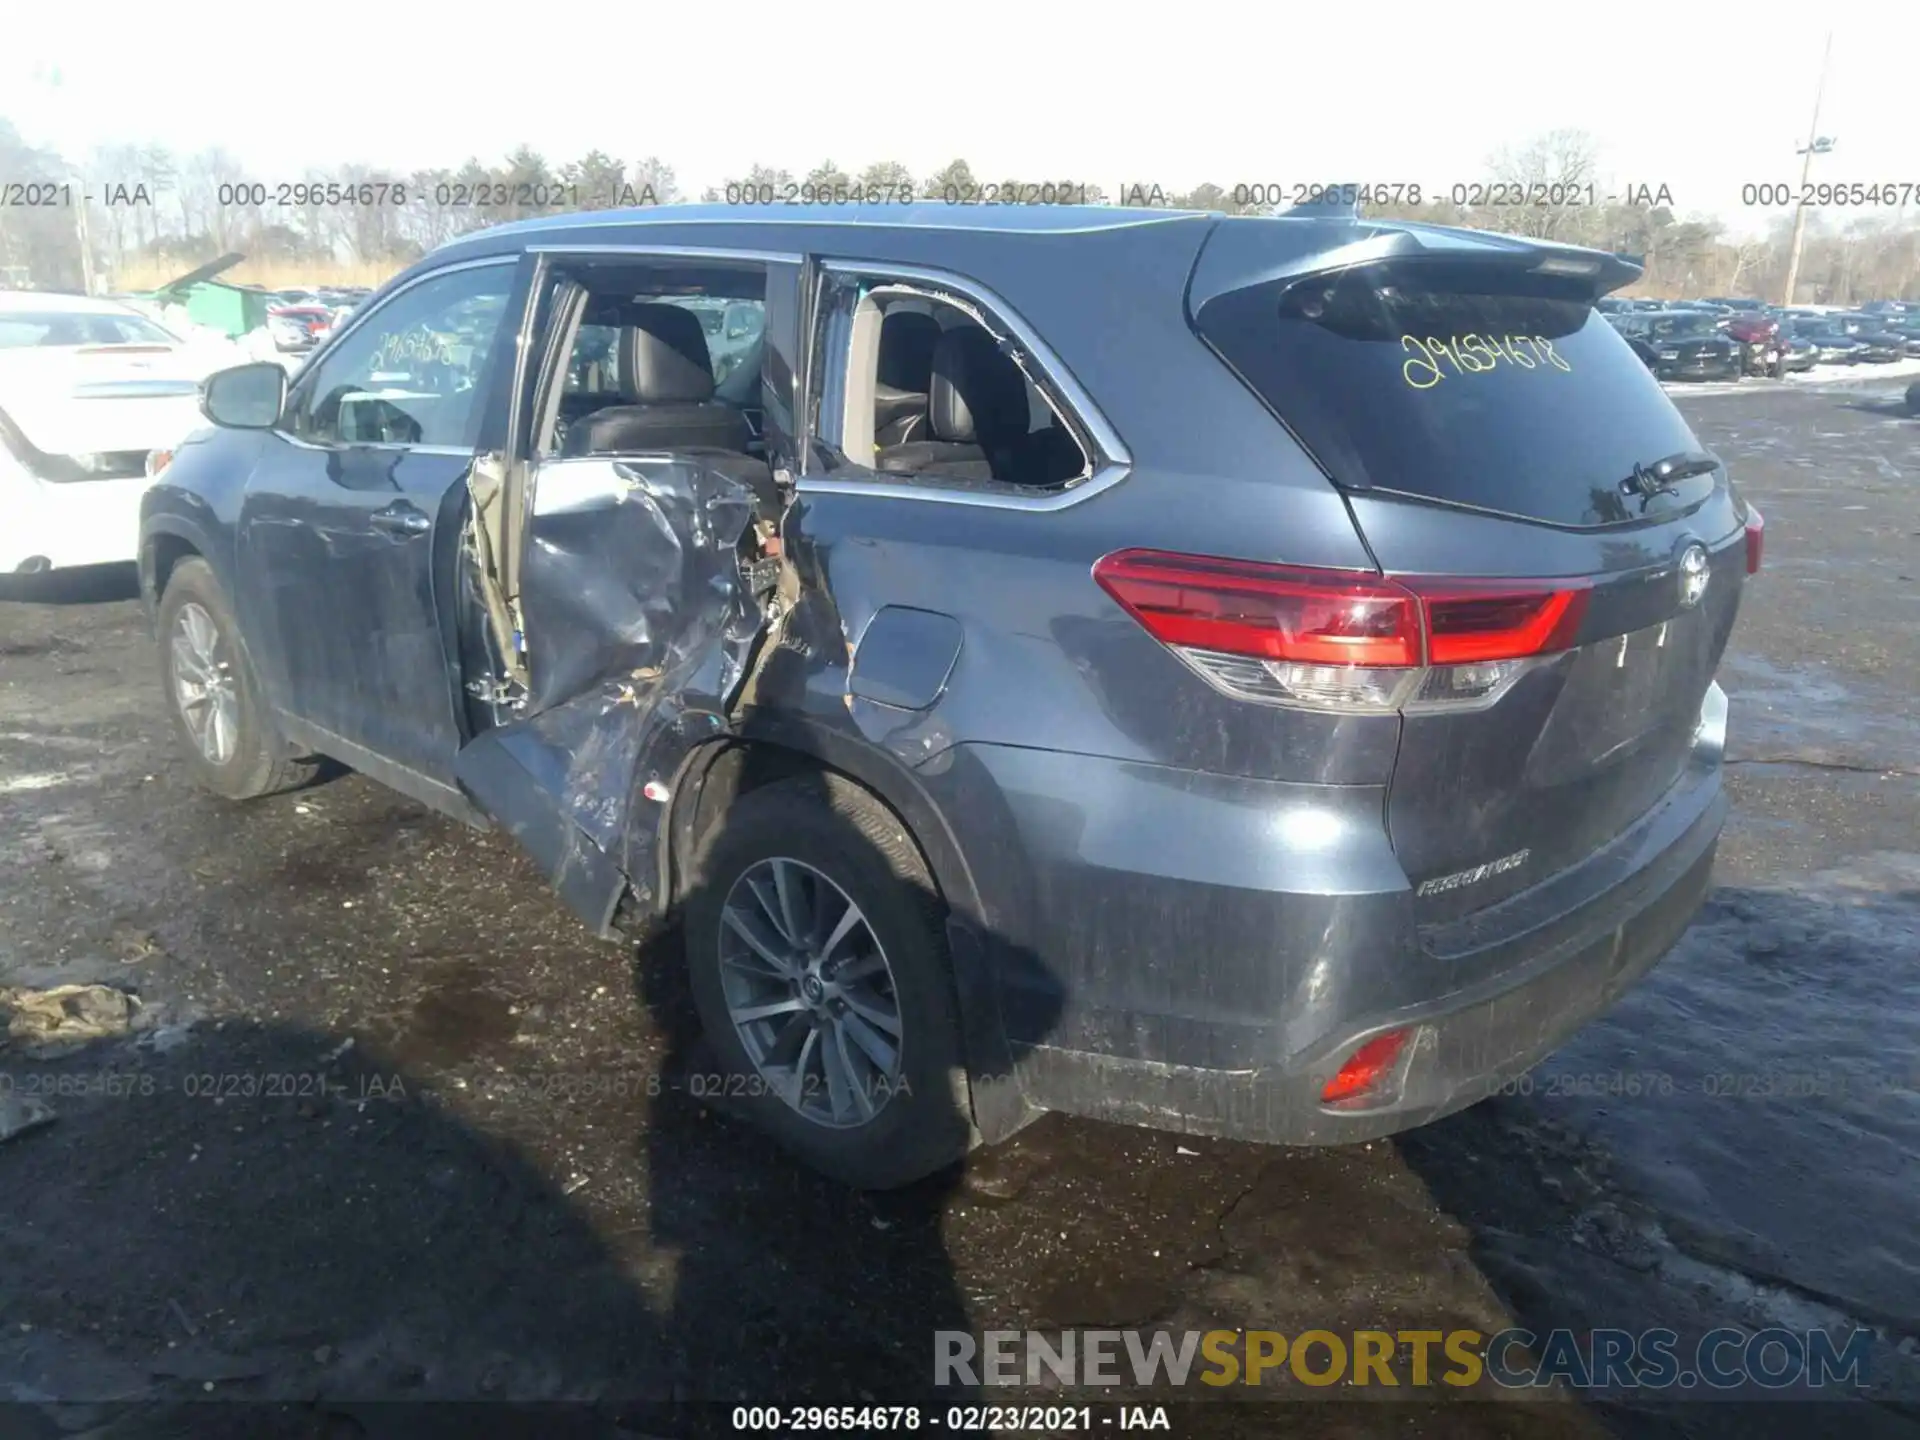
1499	389
1683	326
85	327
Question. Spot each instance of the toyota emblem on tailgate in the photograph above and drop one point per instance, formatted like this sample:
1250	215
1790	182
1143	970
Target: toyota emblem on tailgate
1694	575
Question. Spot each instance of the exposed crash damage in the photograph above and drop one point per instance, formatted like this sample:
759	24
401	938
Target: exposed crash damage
793	579
624	635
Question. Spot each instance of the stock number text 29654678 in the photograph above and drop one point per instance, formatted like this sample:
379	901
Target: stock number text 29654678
1475	355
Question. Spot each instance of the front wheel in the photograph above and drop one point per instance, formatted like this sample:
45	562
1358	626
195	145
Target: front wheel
211	695
817	951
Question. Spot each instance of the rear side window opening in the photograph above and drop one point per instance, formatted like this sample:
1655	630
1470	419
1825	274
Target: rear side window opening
1477	385
657	358
920	387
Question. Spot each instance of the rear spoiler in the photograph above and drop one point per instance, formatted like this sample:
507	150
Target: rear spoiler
133	389
1242	251
1332	204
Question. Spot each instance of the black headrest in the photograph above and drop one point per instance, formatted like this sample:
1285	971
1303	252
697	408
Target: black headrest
979	395
671	361
907	338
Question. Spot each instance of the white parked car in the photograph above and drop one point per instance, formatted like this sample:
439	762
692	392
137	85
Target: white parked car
89	390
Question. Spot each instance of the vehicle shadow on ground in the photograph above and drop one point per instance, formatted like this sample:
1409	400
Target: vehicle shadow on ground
82	585
1892	406
253	1216
790	1285
263	1215
1706	1197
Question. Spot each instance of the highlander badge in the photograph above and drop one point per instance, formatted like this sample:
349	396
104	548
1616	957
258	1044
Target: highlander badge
1444	883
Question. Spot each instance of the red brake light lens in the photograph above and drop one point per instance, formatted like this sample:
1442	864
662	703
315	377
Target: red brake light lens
1365	1068
1339	617
1267	612
1468	623
1756	538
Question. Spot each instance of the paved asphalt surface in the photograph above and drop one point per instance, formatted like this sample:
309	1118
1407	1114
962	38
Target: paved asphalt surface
501	1188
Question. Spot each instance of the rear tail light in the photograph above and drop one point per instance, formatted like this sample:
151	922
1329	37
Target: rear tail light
1344	640
1756	539
1498	620
1366	1070
63	469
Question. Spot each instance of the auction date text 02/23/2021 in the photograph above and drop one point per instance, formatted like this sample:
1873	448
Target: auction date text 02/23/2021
561	194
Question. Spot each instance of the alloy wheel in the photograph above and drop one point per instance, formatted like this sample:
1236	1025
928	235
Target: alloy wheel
810	993
203	683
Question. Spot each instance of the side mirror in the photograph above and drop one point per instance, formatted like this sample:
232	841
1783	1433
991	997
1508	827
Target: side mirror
246	397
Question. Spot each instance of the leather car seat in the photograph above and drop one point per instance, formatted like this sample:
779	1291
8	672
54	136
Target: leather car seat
976	409
905	377
669	384
669	378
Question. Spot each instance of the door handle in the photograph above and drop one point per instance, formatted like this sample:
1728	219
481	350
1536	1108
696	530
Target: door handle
401	519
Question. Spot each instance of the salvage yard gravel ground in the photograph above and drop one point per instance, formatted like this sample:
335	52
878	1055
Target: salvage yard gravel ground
500	1188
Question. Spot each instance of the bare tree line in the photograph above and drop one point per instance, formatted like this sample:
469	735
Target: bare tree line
153	211
1850	256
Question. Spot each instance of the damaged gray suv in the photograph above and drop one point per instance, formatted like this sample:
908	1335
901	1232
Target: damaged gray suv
1248	676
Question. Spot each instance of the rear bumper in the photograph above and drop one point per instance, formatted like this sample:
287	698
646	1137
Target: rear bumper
1221	1006
85	522
1465	1046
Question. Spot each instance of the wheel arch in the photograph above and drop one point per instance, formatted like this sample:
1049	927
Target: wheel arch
167	541
717	774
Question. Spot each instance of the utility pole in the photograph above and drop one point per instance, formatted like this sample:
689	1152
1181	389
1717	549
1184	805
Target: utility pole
86	239
1817	144
55	84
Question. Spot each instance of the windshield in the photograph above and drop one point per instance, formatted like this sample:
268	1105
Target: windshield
1500	389
1675	326
79	327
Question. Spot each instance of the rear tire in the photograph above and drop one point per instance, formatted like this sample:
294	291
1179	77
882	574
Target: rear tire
831	844
211	694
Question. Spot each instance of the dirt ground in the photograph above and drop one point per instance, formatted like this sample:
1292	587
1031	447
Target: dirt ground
389	1126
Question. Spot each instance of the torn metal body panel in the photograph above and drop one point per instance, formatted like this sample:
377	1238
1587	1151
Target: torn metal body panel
1216	711
639	627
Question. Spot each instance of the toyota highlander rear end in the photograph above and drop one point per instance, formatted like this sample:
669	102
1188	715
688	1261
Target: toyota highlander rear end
1550	568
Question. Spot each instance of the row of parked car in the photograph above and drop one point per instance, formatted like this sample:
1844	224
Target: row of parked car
300	319
1725	339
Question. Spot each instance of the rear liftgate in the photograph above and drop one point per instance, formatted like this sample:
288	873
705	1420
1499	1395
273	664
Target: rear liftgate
624	626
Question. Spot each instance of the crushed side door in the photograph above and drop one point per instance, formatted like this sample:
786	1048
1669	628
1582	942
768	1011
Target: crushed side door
625	627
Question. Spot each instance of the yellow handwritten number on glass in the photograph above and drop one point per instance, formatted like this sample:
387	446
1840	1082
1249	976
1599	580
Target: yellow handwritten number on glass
1420	364
1474	355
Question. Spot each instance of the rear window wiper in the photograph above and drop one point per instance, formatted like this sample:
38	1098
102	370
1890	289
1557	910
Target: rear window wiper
1662	475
